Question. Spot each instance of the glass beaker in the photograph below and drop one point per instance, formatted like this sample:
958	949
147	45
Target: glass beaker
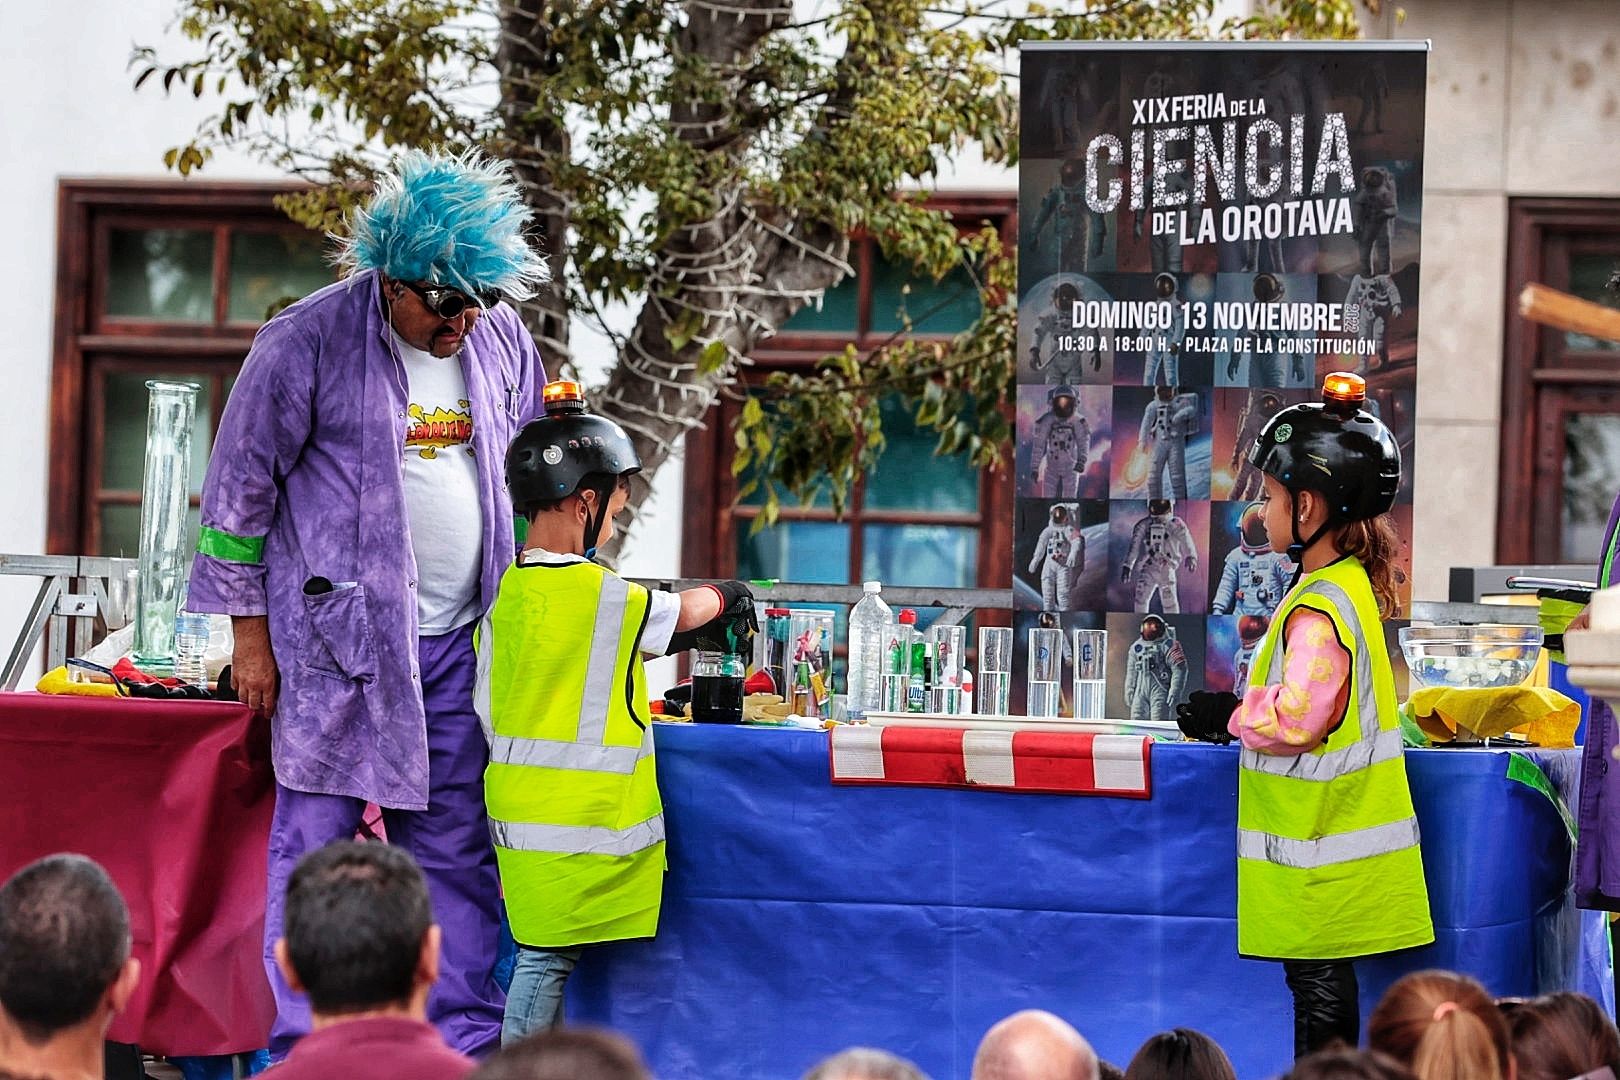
1090	674
950	643
165	498
1043	694
993	683
717	687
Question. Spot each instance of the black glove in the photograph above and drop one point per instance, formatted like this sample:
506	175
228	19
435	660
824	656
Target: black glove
1204	716
736	616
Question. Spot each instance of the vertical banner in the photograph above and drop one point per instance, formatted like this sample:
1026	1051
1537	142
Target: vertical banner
1205	230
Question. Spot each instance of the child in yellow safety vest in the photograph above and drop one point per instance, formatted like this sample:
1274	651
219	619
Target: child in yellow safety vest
1329	867
571	785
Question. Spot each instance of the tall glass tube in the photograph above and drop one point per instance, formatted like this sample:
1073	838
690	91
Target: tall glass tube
165	492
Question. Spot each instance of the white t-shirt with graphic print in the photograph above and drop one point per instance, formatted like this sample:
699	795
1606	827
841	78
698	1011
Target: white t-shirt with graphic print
441	491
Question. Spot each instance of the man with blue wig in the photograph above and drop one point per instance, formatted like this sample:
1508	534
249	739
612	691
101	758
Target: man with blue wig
355	525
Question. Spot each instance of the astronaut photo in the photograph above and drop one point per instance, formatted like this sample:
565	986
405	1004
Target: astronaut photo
1260	406
1251	628
1061	441
1062	365
1155	672
1077	230
1374	302
1060	558
1272	360
1373	211
1164	355
1254	578
1169	420
1164	249
1161	544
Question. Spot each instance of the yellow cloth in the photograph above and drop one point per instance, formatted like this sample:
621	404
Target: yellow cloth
1545	717
56	681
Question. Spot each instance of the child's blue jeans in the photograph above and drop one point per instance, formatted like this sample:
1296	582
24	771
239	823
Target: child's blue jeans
534	1002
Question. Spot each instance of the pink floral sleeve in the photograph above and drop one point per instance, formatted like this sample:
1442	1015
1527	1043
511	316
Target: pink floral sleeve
1295	715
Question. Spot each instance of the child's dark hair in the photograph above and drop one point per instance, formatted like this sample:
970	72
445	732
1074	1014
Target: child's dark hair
590	481
1561	1035
1180	1054
1377	546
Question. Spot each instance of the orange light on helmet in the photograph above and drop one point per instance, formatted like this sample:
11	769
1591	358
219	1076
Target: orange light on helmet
1343	388
563	395
1343	394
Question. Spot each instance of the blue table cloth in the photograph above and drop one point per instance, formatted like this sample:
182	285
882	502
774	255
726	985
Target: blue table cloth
801	918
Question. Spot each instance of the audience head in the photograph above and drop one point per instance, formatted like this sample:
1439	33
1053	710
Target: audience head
1107	1070
64	948
1034	1045
1344	1063
1442	1026
358	934
565	1054
864	1063
1560	1036
1180	1054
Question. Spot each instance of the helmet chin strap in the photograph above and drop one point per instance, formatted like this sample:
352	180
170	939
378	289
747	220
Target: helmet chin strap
596	517
1296	550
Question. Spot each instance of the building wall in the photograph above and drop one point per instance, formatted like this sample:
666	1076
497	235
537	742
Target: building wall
1523	100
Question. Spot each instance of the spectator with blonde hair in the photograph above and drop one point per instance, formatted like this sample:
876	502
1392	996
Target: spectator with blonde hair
1442	1026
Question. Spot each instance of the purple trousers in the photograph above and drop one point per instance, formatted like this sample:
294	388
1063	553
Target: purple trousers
449	840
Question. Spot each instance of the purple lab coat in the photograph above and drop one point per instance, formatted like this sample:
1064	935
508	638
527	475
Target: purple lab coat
309	456
1597	852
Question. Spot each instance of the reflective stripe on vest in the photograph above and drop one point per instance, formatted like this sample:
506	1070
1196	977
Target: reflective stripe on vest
603	664
1384	746
577	839
1328	850
554	754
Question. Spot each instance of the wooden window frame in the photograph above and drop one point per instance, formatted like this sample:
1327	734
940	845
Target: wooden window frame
88	346
1543	381
711	514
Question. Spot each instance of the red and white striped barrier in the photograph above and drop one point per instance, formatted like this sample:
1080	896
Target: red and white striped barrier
1062	762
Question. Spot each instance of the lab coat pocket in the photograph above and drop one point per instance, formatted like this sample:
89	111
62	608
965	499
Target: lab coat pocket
339	643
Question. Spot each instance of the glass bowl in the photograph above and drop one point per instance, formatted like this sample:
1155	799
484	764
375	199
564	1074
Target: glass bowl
1470	656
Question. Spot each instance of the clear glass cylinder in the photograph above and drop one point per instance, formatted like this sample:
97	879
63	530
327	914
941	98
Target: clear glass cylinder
165	498
1090	674
1043	692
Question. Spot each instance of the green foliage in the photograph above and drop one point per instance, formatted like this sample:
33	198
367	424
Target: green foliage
698	160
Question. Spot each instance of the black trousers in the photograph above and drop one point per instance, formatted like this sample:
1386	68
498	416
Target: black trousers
1327	1008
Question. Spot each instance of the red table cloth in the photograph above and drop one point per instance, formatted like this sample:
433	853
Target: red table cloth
174	798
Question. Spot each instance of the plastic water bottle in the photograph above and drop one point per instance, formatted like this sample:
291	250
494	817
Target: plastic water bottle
868	633
190	643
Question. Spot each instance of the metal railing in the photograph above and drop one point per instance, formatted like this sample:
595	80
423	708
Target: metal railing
75	592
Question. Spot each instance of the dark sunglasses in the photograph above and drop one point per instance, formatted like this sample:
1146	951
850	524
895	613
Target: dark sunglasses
448	303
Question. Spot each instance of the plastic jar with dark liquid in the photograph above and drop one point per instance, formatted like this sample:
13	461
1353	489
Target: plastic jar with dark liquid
717	688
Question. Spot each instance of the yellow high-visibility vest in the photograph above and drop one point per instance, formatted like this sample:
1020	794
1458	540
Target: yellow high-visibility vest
1329	866
571	788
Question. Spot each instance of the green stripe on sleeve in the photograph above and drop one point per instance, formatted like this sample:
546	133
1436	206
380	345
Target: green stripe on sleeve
222	545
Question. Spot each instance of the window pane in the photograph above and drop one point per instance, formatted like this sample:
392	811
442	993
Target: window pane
123	448
163	274
1591	477
836	314
946	306
808	552
937	555
272	269
910	477
121	531
1588	279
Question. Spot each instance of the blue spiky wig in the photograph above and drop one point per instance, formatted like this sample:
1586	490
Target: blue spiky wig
446	220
